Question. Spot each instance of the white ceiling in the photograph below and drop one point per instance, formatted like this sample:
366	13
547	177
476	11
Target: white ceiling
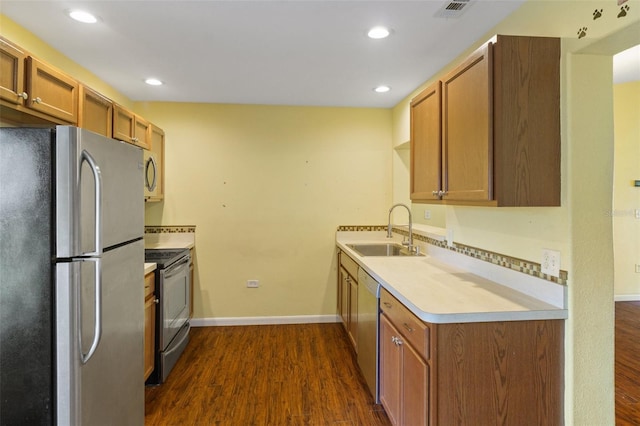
295	52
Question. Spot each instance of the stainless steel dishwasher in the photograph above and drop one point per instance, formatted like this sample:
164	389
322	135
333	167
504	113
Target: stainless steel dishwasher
368	327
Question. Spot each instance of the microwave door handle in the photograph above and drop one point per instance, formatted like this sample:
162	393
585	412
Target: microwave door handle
97	178
97	320
151	162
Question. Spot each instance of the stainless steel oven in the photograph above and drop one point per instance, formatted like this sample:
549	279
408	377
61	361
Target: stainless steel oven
172	317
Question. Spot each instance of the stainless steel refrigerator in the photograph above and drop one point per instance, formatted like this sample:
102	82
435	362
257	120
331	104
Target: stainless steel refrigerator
71	279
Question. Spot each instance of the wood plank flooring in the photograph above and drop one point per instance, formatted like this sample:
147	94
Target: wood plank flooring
627	366
276	375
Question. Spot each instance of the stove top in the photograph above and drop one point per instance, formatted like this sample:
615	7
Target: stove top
164	257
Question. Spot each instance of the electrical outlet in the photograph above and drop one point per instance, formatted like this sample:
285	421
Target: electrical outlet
637	213
427	214
253	283
550	263
638	268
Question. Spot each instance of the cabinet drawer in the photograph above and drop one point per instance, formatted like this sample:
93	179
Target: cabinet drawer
349	264
410	326
149	284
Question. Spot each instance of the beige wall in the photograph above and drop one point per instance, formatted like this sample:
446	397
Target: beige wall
626	197
266	188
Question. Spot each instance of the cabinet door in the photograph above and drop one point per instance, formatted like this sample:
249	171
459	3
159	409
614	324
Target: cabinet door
11	73
353	312
344	297
141	132
467	130
426	152
149	336
415	387
123	124
96	112
390	377
51	92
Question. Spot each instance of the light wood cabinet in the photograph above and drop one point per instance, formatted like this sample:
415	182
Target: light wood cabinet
506	372
149	324
96	112
154	166
12	77
131	128
32	91
348	296
488	132
404	372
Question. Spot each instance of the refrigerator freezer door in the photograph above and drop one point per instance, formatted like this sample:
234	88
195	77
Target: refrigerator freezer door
26	323
119	169
109	388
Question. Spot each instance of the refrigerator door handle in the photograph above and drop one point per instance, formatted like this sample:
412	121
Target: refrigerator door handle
85	156
97	330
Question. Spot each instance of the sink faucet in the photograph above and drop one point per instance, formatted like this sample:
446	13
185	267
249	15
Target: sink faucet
409	244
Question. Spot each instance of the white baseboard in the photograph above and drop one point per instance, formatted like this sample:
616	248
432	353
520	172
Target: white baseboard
627	298
299	319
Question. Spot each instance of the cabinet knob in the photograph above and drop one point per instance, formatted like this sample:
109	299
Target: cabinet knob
407	327
23	95
134	139
37	100
156	301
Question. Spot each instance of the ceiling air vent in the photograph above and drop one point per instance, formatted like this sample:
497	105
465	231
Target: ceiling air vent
453	9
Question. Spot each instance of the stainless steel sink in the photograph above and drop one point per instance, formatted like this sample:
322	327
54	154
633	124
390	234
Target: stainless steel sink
382	249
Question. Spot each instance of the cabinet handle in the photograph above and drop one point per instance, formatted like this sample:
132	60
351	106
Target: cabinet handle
387	304
407	327
134	139
435	193
37	100
23	95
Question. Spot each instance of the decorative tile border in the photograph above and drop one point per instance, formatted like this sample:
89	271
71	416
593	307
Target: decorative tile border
363	228
520	265
169	229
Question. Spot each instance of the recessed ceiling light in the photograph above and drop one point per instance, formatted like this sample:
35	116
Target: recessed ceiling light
82	16
378	32
153	82
382	89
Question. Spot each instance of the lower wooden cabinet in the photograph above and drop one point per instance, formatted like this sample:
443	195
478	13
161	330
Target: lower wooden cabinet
149	324
348	296
478	373
404	377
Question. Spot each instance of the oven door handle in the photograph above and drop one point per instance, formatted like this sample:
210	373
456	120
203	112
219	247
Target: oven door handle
174	269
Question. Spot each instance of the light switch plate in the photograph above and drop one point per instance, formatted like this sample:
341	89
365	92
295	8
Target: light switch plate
550	264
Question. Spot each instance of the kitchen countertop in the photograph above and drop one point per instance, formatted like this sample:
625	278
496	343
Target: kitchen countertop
170	240
438	290
149	267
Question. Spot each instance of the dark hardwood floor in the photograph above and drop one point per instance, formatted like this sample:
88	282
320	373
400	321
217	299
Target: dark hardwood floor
265	375
627	367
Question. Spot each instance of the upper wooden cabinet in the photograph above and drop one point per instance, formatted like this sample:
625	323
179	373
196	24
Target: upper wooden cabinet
96	112
12	61
30	86
498	138
154	166
130	127
51	92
